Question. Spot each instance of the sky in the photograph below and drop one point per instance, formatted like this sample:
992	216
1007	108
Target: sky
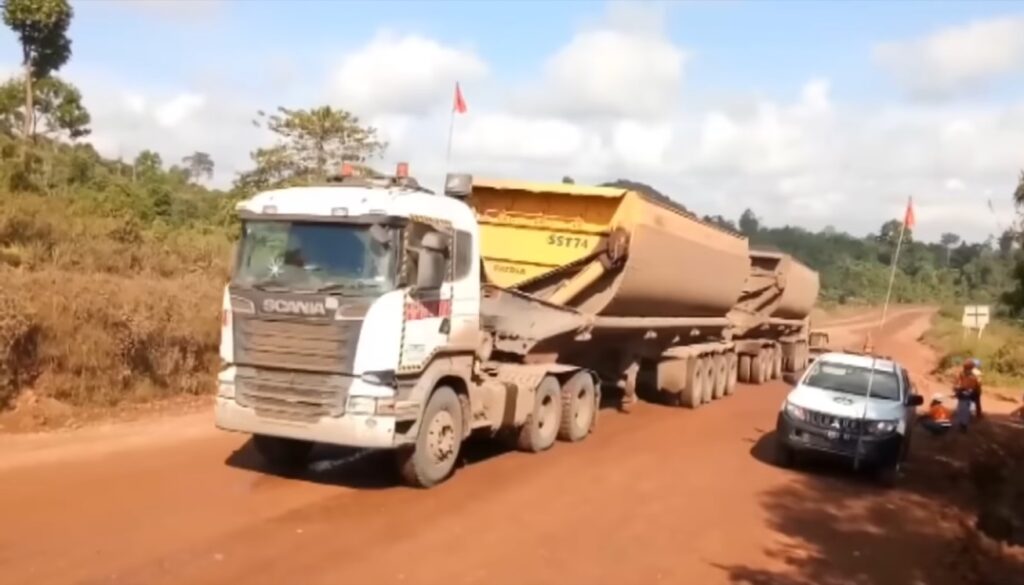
810	113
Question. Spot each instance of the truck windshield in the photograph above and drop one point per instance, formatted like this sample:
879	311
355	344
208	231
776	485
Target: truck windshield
853	380
316	256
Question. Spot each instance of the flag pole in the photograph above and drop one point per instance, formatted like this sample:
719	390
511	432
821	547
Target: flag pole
881	322
451	131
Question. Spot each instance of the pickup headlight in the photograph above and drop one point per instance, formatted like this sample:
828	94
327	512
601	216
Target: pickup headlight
795	411
882	427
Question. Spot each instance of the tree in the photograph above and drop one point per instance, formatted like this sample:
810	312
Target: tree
1018	193
749	223
58	109
1006	243
948	240
567	180
314	140
198	164
41	26
148	164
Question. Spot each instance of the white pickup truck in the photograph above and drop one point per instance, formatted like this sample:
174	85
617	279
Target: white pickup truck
857	407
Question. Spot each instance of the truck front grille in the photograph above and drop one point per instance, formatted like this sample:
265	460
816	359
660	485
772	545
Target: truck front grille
829	421
296	396
321	346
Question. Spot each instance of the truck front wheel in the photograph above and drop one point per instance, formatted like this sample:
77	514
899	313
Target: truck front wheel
541	428
432	458
281	453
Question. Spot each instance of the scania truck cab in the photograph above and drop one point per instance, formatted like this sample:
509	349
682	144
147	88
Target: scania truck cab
353	317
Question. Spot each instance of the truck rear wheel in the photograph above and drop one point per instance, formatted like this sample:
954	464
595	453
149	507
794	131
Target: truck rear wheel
745	369
730	385
721	365
541	428
693	393
776	363
432	458
283	454
710	375
579	407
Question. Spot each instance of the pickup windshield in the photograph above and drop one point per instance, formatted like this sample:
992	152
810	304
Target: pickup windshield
853	380
337	258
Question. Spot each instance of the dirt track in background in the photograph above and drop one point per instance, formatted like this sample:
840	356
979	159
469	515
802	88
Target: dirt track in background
659	495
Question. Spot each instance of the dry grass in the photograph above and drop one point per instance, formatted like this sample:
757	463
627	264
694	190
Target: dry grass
100	311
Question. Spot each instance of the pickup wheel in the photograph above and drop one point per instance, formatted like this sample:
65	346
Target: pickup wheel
693	393
785	456
579	407
541	428
282	454
721	365
432	458
732	368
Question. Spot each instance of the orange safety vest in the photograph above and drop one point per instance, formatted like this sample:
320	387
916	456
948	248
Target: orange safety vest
966	381
939	413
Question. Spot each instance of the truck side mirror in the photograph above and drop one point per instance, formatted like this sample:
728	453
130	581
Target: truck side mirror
915	400
431	267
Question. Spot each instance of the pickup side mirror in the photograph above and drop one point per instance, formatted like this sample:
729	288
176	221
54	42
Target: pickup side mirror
915	400
431	267
791	378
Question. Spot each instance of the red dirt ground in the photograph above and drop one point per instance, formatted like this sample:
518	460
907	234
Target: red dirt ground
662	495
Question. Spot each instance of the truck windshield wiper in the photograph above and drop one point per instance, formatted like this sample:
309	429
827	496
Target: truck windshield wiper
356	285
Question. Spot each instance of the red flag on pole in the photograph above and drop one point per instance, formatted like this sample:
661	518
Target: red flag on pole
908	217
460	103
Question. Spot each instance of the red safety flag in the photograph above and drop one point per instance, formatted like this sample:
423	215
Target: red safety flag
908	217
460	103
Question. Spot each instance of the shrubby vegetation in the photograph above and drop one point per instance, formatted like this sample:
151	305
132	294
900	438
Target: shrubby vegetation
112	270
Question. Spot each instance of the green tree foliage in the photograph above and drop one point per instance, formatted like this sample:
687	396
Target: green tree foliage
59	112
309	144
41	26
749	223
198	165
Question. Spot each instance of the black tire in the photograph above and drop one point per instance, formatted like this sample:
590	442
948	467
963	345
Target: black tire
692	395
776	363
785	456
541	428
432	458
579	408
283	454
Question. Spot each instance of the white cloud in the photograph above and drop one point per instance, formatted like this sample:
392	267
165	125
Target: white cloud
809	158
407	74
956	59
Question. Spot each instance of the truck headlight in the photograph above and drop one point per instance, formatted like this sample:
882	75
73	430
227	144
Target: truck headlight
380	378
882	427
361	405
795	411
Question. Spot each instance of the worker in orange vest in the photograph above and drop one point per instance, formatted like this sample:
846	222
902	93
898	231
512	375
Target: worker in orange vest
938	420
966	389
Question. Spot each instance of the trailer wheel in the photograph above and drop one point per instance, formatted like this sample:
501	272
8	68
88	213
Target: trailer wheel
745	369
541	428
721	365
692	394
776	363
730	386
281	453
432	458
579	406
758	365
708	363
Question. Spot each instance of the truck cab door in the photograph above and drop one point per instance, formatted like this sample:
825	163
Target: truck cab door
427	311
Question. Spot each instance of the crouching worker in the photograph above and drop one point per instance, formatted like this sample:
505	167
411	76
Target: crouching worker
937	421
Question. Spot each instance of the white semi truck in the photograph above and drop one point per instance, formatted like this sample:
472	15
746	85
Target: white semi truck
370	312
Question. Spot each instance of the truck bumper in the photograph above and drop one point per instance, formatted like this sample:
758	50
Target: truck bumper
349	430
874	450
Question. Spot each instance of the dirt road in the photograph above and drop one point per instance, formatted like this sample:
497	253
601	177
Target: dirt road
659	495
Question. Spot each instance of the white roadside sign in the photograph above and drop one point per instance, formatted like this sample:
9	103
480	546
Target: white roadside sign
975	318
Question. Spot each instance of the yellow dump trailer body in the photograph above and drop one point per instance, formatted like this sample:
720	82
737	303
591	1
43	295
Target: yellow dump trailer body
676	265
800	291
